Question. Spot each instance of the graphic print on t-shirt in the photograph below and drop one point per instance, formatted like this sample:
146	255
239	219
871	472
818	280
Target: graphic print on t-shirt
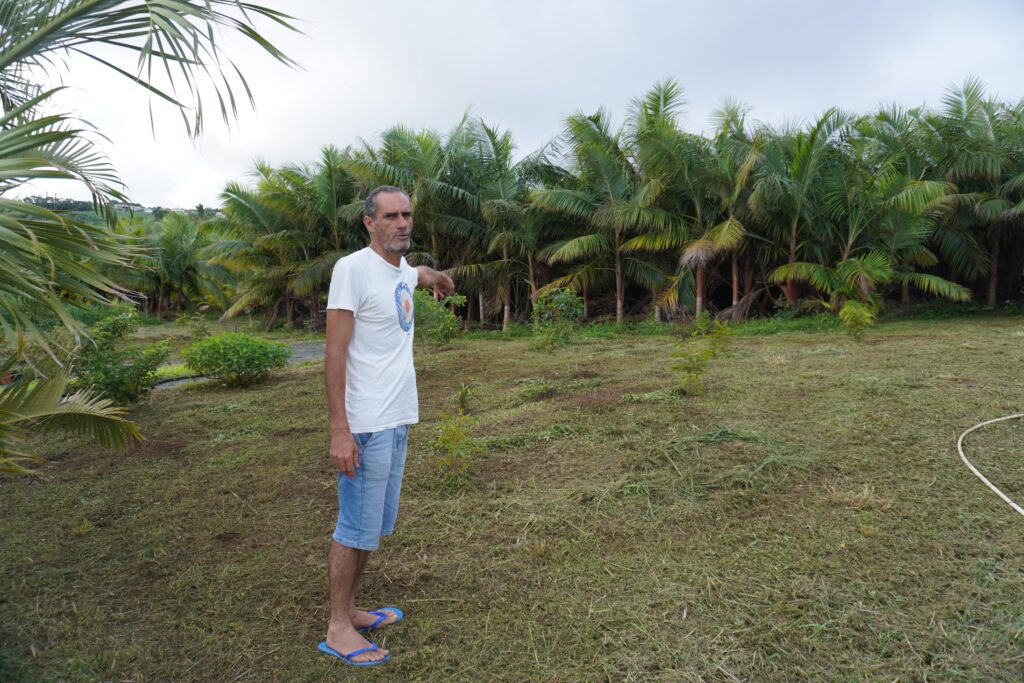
403	302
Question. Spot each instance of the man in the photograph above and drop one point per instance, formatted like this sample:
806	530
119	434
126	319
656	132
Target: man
371	397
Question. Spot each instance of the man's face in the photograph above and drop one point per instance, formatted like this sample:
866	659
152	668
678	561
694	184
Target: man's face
391	228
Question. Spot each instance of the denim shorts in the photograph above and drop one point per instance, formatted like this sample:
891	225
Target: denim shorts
368	502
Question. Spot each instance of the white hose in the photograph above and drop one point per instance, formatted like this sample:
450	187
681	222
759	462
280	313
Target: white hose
979	475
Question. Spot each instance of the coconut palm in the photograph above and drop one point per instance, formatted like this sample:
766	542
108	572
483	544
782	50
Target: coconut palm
510	233
706	182
784	192
283	237
879	217
48	256
614	200
427	166
979	143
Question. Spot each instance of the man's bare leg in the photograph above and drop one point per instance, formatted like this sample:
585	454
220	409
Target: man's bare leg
345	566
359	618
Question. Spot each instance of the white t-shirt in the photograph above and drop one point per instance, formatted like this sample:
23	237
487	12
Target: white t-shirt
380	380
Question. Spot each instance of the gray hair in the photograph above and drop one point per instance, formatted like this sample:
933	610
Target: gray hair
370	205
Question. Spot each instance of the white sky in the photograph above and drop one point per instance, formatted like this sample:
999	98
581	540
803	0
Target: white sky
525	65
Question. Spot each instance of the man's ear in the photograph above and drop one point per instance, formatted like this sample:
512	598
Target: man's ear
368	222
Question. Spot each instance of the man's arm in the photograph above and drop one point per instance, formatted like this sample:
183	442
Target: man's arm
428	277
344	453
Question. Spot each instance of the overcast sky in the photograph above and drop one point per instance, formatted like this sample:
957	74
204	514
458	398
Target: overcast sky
526	65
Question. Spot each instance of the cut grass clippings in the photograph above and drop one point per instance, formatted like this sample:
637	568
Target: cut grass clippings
807	518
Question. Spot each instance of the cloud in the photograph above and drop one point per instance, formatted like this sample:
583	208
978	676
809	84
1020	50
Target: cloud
526	65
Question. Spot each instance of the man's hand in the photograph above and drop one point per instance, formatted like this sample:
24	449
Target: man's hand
442	284
345	453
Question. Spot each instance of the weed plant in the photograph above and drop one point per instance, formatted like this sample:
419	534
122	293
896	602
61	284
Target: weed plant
707	340
197	324
454	449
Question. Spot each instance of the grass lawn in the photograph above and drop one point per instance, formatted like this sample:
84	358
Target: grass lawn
807	519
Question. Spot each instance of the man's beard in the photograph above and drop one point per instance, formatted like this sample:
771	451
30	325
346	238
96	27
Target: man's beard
393	248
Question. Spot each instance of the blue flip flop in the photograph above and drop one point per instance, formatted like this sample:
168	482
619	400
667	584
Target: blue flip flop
347	658
381	616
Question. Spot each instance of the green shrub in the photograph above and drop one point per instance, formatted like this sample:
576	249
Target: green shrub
120	371
198	325
235	359
434	319
454	448
707	340
465	391
556	315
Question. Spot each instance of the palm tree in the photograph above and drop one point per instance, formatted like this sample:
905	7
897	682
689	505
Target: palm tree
787	179
509	230
979	143
424	164
705	181
615	201
46	252
879	216
283	237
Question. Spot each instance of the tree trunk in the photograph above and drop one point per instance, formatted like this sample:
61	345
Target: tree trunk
506	294
533	283
905	294
735	279
790	285
314	308
586	302
700	291
620	289
748	275
433	258
993	271
507	318
480	301
272	320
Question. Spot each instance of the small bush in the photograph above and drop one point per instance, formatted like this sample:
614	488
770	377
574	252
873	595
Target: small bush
465	392
122	372
706	341
454	448
198	325
434	319
556	315
235	359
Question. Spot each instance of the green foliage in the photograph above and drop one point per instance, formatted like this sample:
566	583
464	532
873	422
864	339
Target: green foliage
434	319
707	340
454	448
37	406
465	392
556	316
857	317
789	320
235	359
114	368
198	325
